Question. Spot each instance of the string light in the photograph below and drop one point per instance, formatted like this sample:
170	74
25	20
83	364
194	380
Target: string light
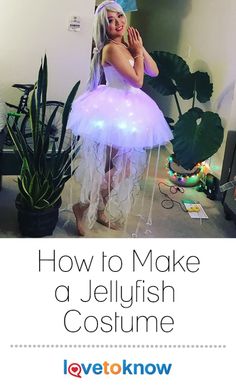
185	179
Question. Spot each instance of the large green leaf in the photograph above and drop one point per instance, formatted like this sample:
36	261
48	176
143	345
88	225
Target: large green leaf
186	86
197	136
199	83
203	86
172	69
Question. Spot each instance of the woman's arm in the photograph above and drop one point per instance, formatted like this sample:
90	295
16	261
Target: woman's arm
150	67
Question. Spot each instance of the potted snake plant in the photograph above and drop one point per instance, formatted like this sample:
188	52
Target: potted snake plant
45	169
198	134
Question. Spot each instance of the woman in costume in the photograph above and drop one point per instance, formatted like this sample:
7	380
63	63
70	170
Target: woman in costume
116	122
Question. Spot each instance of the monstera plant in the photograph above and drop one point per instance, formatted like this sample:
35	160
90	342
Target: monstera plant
198	134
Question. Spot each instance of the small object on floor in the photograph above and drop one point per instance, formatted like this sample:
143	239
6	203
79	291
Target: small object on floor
168	202
187	201
195	211
209	185
193	208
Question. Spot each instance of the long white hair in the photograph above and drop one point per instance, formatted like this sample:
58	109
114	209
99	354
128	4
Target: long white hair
100	38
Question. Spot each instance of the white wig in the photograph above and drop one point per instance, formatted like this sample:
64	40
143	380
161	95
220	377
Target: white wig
100	38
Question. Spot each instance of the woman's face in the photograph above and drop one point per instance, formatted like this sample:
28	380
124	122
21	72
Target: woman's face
116	24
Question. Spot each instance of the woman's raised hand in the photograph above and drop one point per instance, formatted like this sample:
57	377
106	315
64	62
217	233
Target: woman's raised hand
135	41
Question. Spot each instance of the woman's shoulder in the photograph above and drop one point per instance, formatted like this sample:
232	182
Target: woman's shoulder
108	51
110	47
111	50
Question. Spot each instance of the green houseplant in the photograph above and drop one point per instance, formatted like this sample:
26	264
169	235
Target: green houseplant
45	168
198	134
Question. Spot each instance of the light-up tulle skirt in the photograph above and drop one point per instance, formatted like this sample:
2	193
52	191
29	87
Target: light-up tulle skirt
126	118
118	124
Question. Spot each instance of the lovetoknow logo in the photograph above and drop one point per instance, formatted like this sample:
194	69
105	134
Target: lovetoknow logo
80	370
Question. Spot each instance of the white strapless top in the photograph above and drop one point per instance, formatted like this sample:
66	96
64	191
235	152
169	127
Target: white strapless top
115	79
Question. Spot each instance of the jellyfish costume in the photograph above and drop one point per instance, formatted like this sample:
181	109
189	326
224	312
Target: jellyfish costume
115	122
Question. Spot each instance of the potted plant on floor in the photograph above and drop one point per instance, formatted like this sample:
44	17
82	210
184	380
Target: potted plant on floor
197	134
45	168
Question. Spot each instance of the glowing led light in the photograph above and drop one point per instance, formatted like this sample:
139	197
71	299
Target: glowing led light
122	125
98	124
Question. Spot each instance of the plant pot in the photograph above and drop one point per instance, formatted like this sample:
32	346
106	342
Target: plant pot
182	177
37	223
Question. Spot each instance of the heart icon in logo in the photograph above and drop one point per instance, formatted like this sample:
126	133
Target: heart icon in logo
75	370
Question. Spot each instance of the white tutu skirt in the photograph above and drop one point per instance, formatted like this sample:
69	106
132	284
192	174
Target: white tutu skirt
126	118
116	124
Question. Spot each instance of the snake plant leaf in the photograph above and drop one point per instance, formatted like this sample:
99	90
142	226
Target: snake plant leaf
25	187
33	118
60	162
66	178
54	197
15	139
38	154
44	84
45	189
34	187
63	177
172	69
48	129
38	86
196	138
203	86
44	170
25	169
44	204
18	139
66	112
23	193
